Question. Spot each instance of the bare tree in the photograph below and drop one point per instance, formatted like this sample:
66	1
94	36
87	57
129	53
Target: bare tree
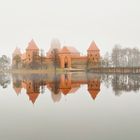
115	55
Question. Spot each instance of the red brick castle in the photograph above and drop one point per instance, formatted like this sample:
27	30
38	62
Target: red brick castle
65	57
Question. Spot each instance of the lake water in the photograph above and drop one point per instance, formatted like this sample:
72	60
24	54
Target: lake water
75	106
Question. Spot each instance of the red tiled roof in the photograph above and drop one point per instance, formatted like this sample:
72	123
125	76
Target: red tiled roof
93	47
74	89
17	90
32	45
33	96
65	90
69	50
16	51
93	93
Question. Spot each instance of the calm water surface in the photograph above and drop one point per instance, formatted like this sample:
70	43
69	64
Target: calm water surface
75	106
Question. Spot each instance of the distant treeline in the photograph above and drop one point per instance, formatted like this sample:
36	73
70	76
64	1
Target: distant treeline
121	57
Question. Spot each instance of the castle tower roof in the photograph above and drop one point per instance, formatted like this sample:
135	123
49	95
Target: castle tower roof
16	52
93	93
33	96
93	47
32	45
71	50
65	90
17	90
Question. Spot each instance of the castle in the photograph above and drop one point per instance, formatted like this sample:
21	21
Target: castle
65	57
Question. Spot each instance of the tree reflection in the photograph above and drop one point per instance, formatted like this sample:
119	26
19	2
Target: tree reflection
121	83
4	80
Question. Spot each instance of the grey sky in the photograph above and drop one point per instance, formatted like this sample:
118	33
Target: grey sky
73	22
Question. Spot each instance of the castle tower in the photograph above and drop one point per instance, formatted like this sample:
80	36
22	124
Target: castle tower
93	55
94	87
32	51
16	52
17	86
32	88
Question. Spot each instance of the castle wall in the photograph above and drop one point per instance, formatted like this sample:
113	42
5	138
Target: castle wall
79	62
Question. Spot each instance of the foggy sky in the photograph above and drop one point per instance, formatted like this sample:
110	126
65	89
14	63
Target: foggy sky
73	22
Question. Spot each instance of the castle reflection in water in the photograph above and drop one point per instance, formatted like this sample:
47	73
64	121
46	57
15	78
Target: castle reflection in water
57	84
69	83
